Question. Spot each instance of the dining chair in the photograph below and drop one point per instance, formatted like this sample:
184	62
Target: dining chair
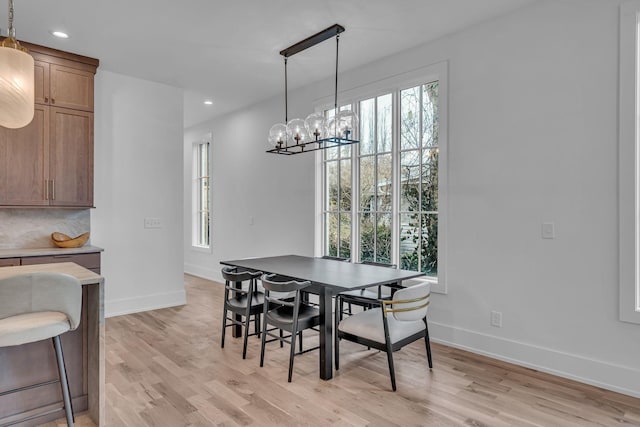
366	298
398	321
293	316
39	306
242	302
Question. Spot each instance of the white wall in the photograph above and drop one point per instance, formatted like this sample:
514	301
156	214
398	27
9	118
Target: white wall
532	139
138	138
247	183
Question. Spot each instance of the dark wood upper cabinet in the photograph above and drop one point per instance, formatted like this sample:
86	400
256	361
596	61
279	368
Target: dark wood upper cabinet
50	161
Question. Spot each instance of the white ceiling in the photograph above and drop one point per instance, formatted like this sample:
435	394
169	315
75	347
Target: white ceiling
227	50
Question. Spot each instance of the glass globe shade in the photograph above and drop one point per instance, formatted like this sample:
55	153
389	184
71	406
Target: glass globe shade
277	135
347	123
333	127
316	126
296	131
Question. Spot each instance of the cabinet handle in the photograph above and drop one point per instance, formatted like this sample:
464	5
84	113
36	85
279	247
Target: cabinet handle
46	99
46	189
53	101
53	189
61	256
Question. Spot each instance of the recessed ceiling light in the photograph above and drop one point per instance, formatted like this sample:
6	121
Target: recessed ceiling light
208	102
60	34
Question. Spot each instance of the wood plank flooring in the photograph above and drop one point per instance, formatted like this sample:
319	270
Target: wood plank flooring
166	368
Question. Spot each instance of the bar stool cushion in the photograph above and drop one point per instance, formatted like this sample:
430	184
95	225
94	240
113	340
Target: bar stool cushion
368	324
31	327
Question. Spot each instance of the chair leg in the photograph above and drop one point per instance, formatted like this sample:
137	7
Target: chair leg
427	343
263	340
256	324
300	339
245	324
392	371
292	353
224	327
66	396
281	336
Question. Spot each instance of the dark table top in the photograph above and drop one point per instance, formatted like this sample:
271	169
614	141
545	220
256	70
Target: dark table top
338	275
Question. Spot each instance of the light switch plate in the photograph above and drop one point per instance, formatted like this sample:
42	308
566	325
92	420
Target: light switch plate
548	230
152	223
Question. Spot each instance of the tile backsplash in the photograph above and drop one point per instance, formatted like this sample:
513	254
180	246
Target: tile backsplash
32	228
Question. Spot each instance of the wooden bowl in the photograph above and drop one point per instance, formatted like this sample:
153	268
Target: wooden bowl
61	240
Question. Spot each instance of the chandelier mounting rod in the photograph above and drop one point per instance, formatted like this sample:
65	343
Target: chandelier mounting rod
313	40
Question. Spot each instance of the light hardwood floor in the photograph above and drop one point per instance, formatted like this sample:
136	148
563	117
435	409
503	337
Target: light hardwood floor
166	368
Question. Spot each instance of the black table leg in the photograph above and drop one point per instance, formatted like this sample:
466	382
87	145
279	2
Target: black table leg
326	335
236	330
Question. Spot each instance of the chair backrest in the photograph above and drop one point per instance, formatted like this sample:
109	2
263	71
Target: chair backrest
271	283
379	264
233	275
411	303
38	292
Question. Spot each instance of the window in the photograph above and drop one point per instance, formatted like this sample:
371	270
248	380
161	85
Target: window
201	195
337	203
382	199
629	163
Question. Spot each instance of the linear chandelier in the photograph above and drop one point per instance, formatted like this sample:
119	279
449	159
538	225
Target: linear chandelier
297	136
16	81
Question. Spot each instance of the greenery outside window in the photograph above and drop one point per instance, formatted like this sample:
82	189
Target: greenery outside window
382	199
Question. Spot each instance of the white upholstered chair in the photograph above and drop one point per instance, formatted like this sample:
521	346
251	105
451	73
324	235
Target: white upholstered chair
397	322
39	306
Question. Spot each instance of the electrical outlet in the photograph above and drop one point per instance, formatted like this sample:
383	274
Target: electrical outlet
496	319
152	223
548	230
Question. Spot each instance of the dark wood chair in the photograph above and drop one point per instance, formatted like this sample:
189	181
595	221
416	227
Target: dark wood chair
397	322
366	298
288	315
242	302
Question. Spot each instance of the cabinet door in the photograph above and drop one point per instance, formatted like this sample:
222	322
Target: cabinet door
9	262
71	88
24	155
41	74
71	157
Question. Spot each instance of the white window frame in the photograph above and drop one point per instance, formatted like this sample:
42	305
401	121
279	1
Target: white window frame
393	84
629	163
195	194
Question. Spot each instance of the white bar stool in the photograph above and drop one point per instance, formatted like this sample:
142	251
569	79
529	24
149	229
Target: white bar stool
39	306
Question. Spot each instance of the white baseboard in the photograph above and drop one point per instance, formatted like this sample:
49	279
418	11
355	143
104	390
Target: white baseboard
205	273
621	379
144	303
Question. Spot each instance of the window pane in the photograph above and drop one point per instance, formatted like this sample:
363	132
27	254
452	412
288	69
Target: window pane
409	241
410	118
429	244
430	180
383	238
331	153
345	185
367	186
430	114
410	180
345	235
367	126
383	184
331	237
384	123
331	175
367	237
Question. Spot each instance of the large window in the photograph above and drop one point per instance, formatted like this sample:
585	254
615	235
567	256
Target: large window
629	162
381	197
201	194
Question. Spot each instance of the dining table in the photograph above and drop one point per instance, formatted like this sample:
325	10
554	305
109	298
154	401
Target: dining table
328	278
